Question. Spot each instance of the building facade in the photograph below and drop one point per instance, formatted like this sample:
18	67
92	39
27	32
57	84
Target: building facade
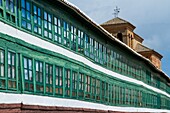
54	58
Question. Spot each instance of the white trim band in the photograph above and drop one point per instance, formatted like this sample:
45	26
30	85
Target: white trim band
7	29
7	98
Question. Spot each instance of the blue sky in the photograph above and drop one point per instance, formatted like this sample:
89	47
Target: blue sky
151	18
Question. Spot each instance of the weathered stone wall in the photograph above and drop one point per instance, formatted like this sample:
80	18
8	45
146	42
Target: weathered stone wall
20	108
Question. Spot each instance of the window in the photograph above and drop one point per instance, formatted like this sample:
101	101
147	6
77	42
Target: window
57	30
26	14
47	25
74	86
96	51
120	37
39	76
11	70
97	89
87	86
92	48
59	80
49	78
1	8
0	2
86	44
2	59
10	10
37	20
81	86
67	82
73	37
93	87
66	39
28	74
104	55
2	67
80	41
101	53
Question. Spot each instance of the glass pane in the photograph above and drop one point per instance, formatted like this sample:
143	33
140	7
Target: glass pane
0	2
37	66
30	75
50	35
39	12
28	6
39	21
1	56
9	72
23	3
12	7
39	30
45	24
35	29
45	33
7	4
49	17
30	64
23	12
2	70
28	16
35	10
13	72
35	19
49	26
24	23
9	58
41	77
45	15
13	59
41	67
25	63
26	74
29	26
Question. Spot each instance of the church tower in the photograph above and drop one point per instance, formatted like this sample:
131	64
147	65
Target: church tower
124	31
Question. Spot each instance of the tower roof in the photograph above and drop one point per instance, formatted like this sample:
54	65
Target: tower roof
116	21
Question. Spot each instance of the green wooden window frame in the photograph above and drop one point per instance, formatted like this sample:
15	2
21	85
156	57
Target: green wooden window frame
81	85
67	82
10	10
73	37
59	80
96	51
2	69
86	45
66	34
12	81
74	84
98	86
80	41
100	53
28	74
87	86
39	76
93	88
26	13
37	21
49	78
32	18
91	46
57	30
1	8
47	25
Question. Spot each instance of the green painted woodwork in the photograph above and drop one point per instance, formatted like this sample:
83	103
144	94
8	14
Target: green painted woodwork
63	77
77	81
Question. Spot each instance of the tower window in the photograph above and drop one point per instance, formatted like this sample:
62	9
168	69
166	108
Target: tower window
120	37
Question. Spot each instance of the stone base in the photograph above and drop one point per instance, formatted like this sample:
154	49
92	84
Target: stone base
21	108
